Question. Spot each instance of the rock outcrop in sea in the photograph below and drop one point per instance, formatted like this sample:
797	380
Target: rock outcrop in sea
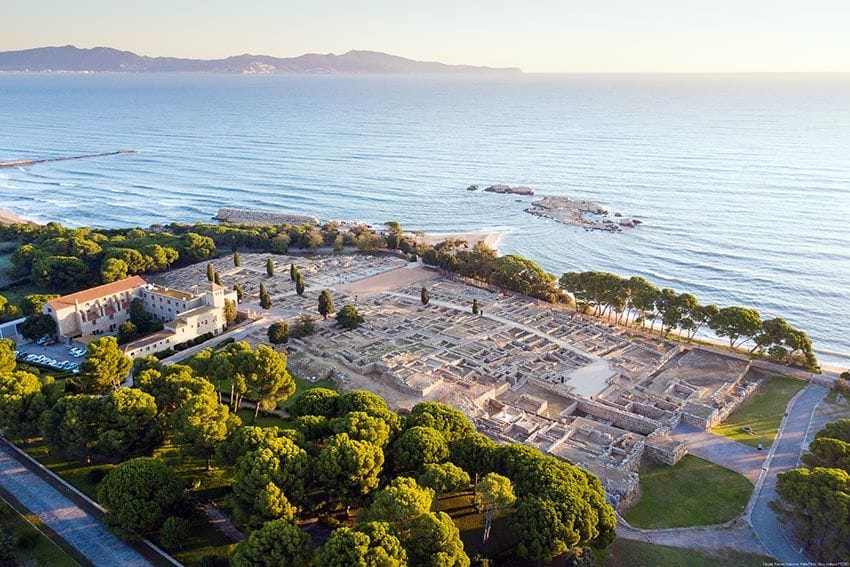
507	189
585	214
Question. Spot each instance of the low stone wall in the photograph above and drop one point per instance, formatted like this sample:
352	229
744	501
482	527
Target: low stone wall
662	448
619	418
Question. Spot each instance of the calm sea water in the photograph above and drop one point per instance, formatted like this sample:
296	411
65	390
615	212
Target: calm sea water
743	181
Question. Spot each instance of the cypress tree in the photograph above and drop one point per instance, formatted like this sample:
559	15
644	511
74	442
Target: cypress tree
270	267
265	298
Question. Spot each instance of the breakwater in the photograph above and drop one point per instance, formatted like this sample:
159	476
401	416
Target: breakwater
262	218
26	162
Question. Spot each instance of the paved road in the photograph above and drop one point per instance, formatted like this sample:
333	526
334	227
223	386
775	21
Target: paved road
786	452
81	530
721	450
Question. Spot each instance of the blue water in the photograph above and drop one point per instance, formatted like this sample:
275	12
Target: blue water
743	181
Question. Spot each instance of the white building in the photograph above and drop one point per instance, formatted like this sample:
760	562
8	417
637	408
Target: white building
100	311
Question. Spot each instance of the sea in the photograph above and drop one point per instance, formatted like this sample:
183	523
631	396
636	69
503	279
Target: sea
742	181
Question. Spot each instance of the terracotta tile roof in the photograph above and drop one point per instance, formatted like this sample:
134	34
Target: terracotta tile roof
97	292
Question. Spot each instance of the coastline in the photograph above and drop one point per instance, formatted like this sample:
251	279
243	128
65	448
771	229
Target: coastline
492	238
11	217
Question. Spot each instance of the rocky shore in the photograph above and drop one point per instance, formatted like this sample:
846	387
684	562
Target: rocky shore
585	214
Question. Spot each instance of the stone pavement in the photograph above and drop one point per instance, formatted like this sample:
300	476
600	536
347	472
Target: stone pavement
785	454
722	451
80	529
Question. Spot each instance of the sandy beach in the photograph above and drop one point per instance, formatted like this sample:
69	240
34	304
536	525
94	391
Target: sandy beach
8	217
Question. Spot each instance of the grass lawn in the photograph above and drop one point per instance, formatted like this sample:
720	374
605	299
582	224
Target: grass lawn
627	553
471	525
762	412
32	547
74	471
16	294
694	492
301	386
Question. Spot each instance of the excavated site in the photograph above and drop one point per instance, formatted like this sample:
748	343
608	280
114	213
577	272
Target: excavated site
524	371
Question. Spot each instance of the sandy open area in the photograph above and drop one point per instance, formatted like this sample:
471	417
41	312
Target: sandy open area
393	279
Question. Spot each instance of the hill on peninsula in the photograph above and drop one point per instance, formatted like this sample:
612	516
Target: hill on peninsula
69	58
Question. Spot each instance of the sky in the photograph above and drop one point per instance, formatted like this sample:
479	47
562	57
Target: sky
552	36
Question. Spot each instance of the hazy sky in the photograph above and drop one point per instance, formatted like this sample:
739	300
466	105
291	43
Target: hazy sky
537	35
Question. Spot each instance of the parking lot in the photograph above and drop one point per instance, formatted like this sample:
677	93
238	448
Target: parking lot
56	356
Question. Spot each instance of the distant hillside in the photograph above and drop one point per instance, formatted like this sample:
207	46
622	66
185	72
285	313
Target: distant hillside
106	59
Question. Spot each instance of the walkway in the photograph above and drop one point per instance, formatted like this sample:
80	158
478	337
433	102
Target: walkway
80	529
722	451
738	536
785	454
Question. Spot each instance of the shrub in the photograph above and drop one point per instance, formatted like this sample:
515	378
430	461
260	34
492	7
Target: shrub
27	540
174	532
278	333
95	475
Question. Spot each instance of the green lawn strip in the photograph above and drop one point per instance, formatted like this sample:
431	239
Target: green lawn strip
694	492
16	294
470	522
762	412
627	553
203	540
35	543
74	471
263	419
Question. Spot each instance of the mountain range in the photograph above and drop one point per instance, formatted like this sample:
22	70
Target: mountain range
69	58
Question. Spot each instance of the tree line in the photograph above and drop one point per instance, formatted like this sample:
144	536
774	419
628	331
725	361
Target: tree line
815	499
635	301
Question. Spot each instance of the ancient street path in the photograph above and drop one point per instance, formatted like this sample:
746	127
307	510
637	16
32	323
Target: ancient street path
785	454
80	529
738	536
722	451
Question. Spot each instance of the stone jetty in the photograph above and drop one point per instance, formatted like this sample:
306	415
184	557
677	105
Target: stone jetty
263	218
26	162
